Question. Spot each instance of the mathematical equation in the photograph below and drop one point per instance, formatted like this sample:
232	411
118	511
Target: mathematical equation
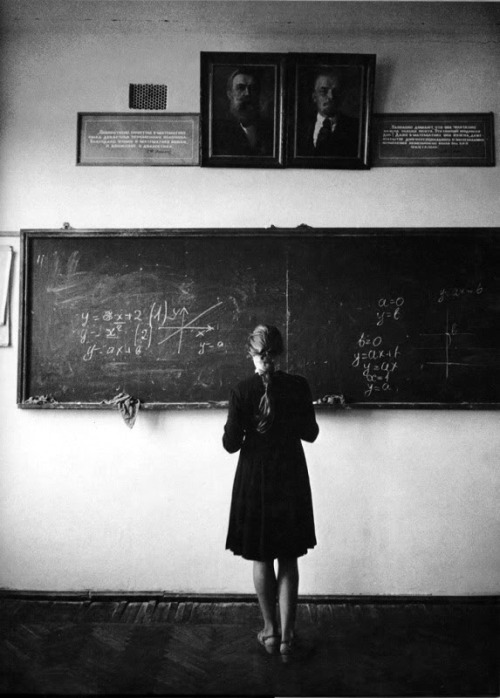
455	292
160	330
378	361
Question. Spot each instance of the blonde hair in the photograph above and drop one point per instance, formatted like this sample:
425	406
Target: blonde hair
265	341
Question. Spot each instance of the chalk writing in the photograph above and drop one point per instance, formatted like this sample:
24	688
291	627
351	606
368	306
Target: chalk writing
376	364
378	361
365	340
448	334
118	333
375	355
455	292
390	308
397	318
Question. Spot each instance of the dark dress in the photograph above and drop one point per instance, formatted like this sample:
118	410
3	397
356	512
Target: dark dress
271	508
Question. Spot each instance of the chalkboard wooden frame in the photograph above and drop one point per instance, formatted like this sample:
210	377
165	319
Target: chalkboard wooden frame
314	250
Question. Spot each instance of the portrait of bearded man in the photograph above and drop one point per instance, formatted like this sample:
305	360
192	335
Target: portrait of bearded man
244	129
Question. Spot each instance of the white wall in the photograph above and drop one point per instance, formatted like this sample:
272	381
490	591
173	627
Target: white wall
405	501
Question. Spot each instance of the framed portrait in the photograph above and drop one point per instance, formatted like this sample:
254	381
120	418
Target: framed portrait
330	102
241	119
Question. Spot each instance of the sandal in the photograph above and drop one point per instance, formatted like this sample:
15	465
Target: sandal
269	642
286	650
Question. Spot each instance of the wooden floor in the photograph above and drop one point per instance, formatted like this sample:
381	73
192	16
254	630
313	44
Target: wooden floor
161	647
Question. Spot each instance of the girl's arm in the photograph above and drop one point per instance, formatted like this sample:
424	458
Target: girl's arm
305	425
234	432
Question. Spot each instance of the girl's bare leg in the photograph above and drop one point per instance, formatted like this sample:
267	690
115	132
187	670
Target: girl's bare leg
264	579
288	589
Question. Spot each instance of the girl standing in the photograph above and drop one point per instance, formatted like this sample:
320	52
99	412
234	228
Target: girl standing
271	515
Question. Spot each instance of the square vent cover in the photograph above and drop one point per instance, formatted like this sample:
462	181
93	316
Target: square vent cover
147	97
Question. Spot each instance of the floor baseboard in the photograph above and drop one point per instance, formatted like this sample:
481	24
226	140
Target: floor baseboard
355	599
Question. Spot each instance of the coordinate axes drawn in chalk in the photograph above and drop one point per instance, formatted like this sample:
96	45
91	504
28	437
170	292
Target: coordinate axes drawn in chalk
448	334
185	326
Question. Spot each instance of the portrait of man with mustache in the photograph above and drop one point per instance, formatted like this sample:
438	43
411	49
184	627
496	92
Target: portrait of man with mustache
330	131
244	129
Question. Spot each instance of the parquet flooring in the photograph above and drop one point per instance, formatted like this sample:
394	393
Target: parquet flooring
162	647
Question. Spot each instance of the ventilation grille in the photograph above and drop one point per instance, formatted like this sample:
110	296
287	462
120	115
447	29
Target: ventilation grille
147	97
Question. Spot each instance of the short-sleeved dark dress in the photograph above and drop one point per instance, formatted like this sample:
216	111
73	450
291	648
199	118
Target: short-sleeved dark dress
271	511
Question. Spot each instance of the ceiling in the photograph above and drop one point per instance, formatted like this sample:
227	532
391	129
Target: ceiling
264	17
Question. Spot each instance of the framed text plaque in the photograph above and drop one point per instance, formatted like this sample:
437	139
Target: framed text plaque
137	139
438	140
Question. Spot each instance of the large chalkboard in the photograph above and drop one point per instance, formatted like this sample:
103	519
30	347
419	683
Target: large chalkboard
382	318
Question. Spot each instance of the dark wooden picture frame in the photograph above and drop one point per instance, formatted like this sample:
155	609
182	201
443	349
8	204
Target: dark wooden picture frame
339	86
243	88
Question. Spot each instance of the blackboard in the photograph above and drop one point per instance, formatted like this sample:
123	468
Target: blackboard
376	317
